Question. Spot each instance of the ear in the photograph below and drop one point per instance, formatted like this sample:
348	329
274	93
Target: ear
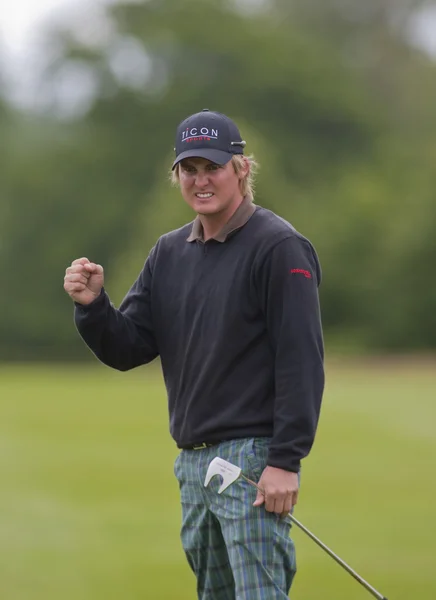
244	170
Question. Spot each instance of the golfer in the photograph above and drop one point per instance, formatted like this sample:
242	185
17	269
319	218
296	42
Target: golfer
230	304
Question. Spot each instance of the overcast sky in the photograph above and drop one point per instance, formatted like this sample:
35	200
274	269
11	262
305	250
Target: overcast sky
21	21
24	57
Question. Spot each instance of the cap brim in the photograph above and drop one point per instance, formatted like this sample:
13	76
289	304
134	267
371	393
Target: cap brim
217	156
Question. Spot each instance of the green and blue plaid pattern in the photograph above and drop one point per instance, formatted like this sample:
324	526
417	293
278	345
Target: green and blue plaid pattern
237	551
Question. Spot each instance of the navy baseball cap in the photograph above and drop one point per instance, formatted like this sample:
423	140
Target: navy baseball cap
209	135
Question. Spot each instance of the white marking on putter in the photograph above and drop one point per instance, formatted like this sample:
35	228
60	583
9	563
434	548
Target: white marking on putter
229	472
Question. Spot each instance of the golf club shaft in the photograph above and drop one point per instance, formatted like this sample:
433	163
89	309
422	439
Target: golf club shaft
343	564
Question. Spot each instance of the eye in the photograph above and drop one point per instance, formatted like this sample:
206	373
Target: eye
188	169
213	167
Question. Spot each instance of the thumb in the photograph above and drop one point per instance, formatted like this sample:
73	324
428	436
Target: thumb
260	499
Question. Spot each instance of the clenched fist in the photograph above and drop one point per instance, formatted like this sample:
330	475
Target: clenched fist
83	281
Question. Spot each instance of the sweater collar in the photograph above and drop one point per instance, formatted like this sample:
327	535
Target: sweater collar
236	221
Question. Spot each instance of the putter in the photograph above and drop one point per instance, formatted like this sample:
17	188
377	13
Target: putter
230	473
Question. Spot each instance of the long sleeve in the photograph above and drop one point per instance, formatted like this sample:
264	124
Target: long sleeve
289	280
121	338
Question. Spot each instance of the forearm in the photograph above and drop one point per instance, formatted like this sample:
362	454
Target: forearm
115	339
296	411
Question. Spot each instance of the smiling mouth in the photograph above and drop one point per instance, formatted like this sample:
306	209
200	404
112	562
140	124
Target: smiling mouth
204	196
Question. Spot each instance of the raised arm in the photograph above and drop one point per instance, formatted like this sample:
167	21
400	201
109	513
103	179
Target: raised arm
121	338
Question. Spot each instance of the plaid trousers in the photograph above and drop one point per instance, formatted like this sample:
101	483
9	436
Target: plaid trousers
237	551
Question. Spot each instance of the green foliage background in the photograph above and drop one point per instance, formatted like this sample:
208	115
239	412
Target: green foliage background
334	101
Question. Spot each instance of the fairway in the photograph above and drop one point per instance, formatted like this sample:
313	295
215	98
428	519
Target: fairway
89	506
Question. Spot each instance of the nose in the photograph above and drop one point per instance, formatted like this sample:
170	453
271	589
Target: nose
201	179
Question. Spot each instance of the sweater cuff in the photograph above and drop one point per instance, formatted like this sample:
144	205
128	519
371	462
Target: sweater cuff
283	462
96	303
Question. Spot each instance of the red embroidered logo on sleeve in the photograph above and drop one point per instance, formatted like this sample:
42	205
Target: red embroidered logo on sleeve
307	274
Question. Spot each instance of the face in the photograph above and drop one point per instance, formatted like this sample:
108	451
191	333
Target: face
209	188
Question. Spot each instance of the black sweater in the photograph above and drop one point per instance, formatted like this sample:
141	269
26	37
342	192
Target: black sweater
237	327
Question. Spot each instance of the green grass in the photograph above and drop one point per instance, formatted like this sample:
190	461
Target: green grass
89	505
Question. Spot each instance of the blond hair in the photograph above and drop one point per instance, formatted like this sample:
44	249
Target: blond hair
238	161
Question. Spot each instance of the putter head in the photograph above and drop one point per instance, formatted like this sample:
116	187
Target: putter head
228	472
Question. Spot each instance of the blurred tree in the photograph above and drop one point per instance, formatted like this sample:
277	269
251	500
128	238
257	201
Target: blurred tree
333	101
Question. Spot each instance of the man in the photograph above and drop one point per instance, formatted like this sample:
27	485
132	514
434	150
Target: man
230	304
